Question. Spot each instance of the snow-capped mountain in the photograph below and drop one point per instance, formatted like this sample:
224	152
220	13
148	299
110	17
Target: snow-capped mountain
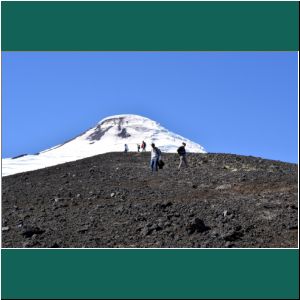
109	135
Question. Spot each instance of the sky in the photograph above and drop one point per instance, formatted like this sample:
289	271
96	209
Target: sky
229	102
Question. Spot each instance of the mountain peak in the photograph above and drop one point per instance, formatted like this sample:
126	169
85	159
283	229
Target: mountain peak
123	117
121	125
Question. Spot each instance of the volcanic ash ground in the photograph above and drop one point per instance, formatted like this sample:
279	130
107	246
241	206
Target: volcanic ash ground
113	200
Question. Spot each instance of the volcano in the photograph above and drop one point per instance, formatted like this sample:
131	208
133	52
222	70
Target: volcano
109	135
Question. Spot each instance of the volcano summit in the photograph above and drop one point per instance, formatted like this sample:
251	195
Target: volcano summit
109	135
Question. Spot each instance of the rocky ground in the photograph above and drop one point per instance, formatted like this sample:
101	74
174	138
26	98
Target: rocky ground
113	200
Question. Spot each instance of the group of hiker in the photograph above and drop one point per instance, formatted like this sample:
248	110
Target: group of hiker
156	162
139	147
142	146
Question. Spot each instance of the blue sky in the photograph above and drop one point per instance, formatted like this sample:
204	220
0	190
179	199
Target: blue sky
230	102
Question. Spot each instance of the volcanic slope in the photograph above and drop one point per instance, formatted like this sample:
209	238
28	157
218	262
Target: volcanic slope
113	200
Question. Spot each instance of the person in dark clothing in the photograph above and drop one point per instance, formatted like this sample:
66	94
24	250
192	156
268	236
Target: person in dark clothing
138	147
182	155
143	146
126	148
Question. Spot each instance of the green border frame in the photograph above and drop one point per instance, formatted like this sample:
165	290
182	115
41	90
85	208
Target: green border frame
150	26
145	273
150	274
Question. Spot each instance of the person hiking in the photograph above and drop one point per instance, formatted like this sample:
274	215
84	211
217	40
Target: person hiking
155	156
143	146
138	147
182	155
126	148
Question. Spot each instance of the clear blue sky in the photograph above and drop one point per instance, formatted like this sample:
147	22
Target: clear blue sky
230	102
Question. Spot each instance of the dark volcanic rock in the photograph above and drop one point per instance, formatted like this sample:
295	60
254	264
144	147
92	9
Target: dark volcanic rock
164	205
113	200
98	134
233	235
197	225
30	231
123	133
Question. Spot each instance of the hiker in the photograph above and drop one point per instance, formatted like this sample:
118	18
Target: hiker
138	147
143	146
126	148
182	155
155	156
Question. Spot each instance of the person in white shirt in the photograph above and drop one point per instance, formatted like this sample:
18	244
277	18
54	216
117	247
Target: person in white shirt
155	156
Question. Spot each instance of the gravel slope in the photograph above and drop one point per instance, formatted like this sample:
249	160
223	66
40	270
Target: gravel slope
113	200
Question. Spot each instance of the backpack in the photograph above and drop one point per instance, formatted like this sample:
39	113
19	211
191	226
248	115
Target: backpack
160	164
158	151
